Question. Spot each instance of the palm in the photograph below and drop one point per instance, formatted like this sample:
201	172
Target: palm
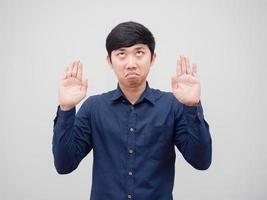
185	85
71	92
72	88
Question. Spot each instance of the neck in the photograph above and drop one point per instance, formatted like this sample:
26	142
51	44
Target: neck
133	93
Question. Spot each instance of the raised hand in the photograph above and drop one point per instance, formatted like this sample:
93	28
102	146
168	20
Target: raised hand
72	87
186	85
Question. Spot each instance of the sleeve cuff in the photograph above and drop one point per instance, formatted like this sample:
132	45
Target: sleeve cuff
62	113
194	111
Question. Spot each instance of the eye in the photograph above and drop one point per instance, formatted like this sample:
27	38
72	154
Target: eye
121	54
140	53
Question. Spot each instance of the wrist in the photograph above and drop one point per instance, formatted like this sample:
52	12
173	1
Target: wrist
193	104
66	108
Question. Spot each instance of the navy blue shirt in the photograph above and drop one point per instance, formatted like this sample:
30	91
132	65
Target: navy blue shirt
133	145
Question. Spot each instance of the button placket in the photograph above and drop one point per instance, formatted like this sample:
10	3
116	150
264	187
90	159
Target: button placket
131	155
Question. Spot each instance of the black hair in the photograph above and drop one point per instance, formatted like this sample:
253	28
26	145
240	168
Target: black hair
127	34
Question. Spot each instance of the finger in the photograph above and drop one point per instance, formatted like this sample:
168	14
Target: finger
84	85
75	69
183	65
69	70
194	70
80	71
178	67
174	82
188	68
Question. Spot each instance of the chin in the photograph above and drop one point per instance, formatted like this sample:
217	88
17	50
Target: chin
134	83
131	82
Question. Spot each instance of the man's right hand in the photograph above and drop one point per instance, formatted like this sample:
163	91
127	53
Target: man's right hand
72	87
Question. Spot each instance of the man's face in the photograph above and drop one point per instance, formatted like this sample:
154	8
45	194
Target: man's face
131	64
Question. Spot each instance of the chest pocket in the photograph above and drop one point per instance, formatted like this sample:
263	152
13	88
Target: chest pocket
157	134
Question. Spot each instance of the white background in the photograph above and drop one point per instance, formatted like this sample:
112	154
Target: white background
227	39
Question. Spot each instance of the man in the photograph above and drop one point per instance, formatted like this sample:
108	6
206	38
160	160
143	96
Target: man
134	128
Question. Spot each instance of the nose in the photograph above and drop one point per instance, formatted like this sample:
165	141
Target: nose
131	63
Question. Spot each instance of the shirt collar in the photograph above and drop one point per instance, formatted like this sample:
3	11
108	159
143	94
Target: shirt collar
147	94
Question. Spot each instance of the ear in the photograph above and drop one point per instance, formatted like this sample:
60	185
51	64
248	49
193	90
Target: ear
109	61
153	58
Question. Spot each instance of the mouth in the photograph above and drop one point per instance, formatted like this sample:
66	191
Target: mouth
131	74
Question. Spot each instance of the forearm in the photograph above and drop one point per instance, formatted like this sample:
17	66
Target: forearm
62	141
199	151
194	140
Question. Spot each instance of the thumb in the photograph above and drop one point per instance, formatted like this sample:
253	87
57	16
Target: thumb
84	85
174	82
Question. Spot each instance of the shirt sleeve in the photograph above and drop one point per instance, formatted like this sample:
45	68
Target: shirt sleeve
72	139
192	136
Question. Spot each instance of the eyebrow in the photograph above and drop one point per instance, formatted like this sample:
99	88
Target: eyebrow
138	48
124	48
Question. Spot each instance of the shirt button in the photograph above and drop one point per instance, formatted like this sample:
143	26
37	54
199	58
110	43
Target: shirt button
129	196
132	129
130	151
130	173
132	107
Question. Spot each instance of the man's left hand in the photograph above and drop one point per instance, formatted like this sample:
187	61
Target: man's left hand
186	85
